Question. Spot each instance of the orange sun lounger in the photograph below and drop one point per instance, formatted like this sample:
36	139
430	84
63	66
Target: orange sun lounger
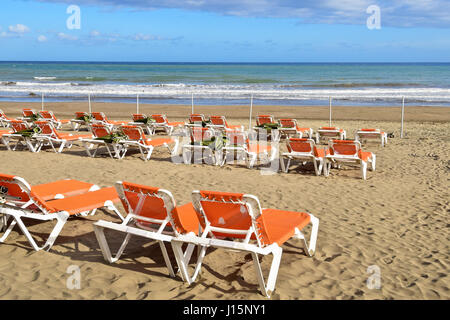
4	120
21	139
19	200
100	117
48	135
161	123
148	127
152	213
220	123
238	144
49	116
115	149
27	114
264	118
349	152
236	221
290	127
136	138
374	134
330	132
196	151
79	120
303	150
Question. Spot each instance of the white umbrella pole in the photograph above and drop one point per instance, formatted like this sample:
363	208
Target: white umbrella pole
42	102
251	110
192	104
403	116
330	112
89	99
137	104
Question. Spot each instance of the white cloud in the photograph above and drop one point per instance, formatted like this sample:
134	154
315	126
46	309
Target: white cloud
19	29
397	13
42	38
63	36
95	33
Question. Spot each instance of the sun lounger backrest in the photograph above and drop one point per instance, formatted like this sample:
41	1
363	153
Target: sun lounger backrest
19	125
370	130
199	134
262	119
237	213
344	147
28	112
159	118
133	133
138	116
288	123
100	130
300	145
99	116
19	191
46	128
219	121
329	128
47	114
196	118
80	114
3	115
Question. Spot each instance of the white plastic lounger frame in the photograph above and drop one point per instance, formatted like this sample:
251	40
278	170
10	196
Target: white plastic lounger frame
133	226
207	239
330	132
28	141
349	159
302	157
4	120
116	150
195	150
148	127
137	139
51	138
374	134
238	144
18	212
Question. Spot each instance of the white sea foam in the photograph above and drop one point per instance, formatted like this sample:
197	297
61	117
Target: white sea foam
44	78
219	91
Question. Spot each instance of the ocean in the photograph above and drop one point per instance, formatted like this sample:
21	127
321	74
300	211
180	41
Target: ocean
425	84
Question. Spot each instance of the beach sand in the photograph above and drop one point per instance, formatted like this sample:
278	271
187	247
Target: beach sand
397	220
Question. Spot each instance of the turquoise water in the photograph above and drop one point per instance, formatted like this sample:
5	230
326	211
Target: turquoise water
347	83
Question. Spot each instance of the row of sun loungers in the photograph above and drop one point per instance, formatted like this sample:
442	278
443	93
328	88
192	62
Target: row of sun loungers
225	143
212	220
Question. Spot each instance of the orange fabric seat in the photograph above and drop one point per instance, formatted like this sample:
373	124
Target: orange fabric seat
279	225
84	202
68	188
258	148
158	142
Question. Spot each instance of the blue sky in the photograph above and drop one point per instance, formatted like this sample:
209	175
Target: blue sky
226	31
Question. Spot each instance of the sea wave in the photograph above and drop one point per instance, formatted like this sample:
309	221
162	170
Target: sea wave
231	91
45	78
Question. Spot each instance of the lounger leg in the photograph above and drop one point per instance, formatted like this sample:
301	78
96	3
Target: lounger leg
311	248
364	170
61	221
373	162
184	258
100	235
166	258
267	291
